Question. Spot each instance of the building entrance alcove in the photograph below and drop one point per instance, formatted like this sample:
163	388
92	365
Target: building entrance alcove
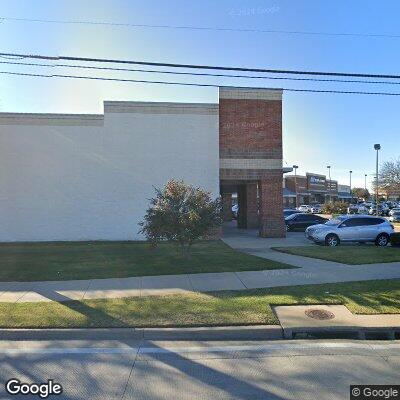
258	206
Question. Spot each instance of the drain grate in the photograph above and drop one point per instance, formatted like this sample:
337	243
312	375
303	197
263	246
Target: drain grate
319	314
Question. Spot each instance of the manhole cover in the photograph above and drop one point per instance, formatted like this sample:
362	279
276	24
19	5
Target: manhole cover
319	314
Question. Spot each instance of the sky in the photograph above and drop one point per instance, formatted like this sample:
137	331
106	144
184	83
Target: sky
319	129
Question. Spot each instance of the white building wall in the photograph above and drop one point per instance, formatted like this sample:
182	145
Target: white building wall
65	177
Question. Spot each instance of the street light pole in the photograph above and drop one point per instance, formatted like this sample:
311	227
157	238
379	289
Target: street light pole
330	183
377	147
365	182
351	192
295	181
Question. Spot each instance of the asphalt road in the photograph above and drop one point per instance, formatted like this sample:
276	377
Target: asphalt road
200	370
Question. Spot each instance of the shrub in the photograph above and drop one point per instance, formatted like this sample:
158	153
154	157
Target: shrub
395	239
181	214
336	207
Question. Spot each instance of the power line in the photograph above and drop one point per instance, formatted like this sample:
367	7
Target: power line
194	84
201	28
193	66
198	74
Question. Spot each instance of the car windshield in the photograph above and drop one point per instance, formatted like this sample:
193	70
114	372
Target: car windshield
334	221
291	216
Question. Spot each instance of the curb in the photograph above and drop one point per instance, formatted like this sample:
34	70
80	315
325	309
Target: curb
348	332
252	332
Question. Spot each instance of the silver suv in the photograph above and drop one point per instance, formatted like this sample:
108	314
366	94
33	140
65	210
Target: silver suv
351	228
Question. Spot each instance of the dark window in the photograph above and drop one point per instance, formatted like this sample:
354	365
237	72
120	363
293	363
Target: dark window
353	222
363	221
374	221
300	218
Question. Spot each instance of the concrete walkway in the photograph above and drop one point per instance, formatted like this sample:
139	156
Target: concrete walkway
300	319
310	271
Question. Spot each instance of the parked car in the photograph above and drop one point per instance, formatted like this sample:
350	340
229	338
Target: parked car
385	209
394	210
304	208
395	217
351	228
290	211
372	210
363	209
235	210
316	209
352	209
301	221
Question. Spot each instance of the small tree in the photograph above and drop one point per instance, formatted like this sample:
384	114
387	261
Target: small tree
361	193
336	207
180	214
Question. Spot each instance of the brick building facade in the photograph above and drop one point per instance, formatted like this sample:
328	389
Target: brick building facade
250	149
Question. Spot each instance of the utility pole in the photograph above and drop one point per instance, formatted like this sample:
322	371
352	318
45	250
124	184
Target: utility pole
295	181
365	182
351	192
330	183
377	147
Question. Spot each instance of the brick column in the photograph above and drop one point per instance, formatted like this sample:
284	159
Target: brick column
242	202
226	207
252	206
271	205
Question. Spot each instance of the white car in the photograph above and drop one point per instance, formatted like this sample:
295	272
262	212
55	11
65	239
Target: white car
235	211
394	210
362	209
304	208
315	209
395	217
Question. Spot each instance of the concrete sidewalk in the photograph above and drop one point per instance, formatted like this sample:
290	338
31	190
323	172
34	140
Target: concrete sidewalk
309	271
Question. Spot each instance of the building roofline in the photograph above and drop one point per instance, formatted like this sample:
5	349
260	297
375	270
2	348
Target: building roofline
51	119
313	174
250	93
295	176
152	107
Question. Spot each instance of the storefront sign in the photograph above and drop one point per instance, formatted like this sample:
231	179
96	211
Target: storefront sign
316	182
332	186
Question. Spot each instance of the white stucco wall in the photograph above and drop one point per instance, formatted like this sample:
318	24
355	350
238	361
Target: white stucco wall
90	177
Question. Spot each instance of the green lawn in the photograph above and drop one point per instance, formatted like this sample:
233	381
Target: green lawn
352	255
87	260
218	308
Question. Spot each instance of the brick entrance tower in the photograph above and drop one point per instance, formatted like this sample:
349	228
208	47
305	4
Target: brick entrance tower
250	145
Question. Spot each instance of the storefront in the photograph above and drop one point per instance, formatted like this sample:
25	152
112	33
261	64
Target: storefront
316	185
309	189
332	191
297	184
344	193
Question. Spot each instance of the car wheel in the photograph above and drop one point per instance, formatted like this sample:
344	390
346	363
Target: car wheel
332	240
382	240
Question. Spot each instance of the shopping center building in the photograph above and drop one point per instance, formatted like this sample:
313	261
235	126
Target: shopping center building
90	177
309	189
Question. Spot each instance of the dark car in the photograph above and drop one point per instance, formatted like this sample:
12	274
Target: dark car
301	221
289	211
